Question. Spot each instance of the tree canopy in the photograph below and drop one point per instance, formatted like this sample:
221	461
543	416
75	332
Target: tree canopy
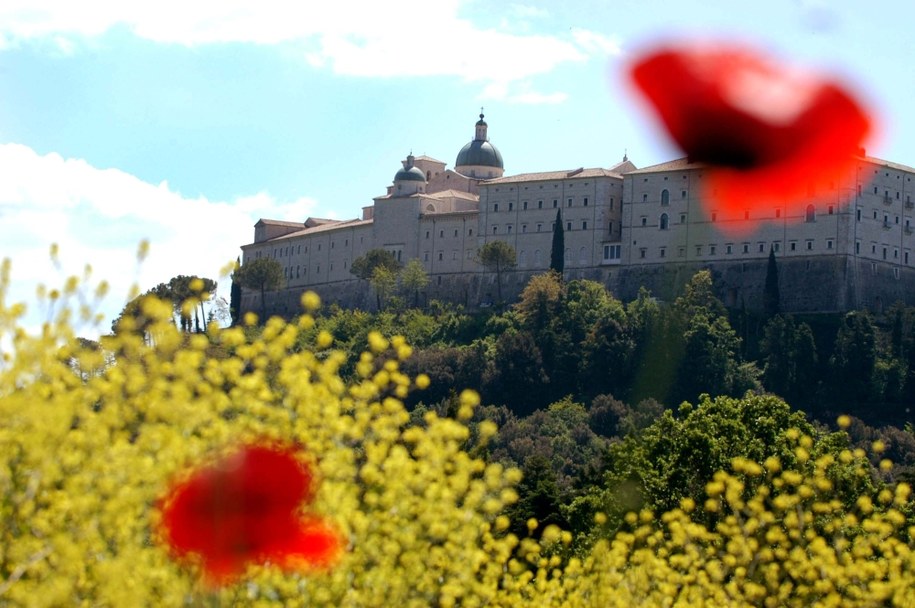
262	274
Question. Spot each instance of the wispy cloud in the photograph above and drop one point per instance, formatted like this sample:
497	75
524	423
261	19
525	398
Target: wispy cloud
522	93
350	37
99	216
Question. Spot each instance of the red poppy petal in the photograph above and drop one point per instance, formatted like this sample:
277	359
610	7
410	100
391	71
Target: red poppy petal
765	131
243	509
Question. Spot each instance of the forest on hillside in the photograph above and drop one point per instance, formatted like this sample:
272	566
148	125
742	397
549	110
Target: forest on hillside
584	387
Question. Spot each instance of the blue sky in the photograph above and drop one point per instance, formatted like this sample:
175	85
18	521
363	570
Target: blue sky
184	122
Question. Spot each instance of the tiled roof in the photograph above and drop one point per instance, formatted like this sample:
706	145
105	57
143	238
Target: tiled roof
424	157
671	165
453	194
266	222
579	173
330	226
886	163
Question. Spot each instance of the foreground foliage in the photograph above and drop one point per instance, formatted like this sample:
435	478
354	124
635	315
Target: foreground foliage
92	436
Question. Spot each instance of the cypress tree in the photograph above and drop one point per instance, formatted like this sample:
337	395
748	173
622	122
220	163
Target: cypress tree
771	296
235	294
557	253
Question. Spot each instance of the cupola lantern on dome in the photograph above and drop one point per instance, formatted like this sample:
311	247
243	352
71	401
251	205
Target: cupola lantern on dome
479	158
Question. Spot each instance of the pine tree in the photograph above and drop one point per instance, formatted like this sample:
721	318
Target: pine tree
557	253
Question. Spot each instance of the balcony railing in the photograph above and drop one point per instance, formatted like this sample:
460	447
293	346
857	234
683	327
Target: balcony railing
887	200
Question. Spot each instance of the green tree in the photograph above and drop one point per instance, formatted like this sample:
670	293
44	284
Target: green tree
413	279
517	362
676	456
789	359
539	301
709	362
188	293
364	266
497	256
699	297
771	296
558	249
235	294
263	275
383	282
854	359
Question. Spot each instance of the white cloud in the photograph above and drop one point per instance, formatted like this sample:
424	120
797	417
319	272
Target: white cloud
367	38
520	93
99	216
595	43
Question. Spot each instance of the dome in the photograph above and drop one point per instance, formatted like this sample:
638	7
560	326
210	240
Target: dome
413	174
479	153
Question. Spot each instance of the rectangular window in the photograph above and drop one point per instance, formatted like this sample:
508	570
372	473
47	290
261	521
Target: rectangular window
762	247
644	221
681	252
539	204
495	207
470	232
495	229
524	205
585	201
682	218
523	227
809	245
776	247
427	234
906	256
426	256
682	193
828	243
858	214
714	216
555	203
698	249
509	228
778	213
455	233
857	247
569	203
441	234
793	246
610	228
511	206
584	225
711	249
642	253
662	252
644	198
746	248
830	209
729	248
539	227
569	226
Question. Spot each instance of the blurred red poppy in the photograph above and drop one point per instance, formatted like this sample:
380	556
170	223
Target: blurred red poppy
765	131
244	509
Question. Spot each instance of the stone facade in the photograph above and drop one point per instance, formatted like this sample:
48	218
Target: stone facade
848	245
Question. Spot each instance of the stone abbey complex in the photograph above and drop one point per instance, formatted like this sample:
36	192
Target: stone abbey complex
848	245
